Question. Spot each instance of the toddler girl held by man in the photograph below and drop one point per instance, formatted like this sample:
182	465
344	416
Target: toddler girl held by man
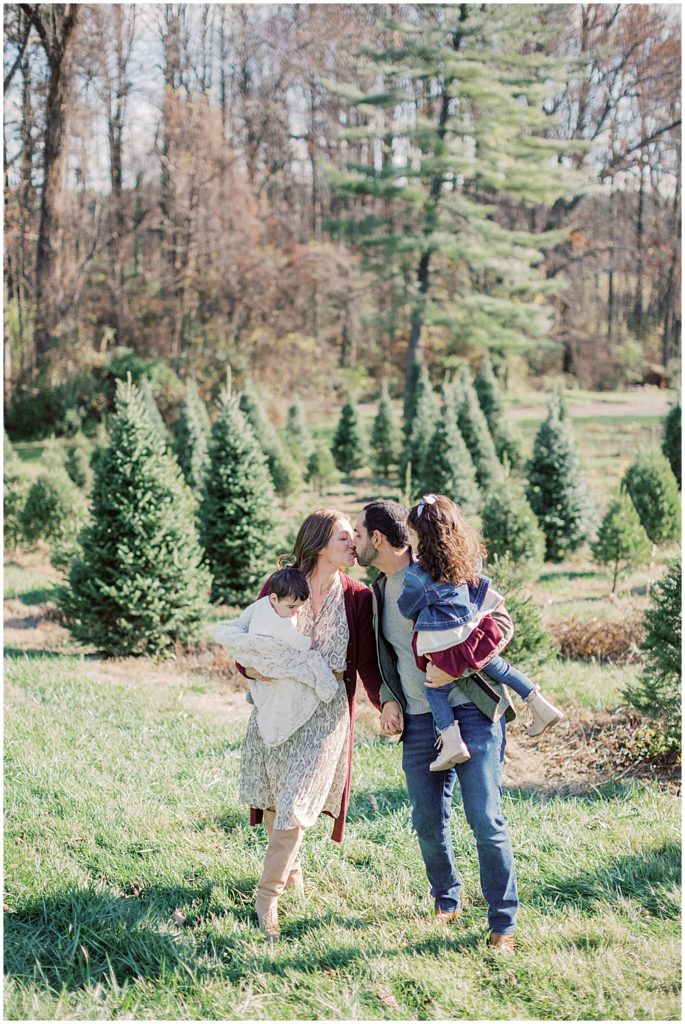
451	603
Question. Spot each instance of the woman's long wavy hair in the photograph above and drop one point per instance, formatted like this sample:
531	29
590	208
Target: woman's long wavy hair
312	537
450	551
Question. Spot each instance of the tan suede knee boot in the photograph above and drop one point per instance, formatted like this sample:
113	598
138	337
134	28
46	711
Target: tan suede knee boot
296	877
278	862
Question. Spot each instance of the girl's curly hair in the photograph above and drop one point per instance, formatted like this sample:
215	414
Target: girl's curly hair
450	550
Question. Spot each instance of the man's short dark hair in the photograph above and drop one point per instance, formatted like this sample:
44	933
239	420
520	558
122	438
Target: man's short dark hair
289	582
390	519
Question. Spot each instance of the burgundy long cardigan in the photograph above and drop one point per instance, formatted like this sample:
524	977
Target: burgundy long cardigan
362	659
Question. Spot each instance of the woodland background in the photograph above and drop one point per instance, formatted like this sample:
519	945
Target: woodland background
263	185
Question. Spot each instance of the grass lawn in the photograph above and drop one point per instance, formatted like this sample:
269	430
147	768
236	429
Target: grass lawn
130	867
130	870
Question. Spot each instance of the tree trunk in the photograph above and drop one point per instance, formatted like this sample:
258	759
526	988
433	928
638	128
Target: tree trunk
55	25
116	106
26	215
611	297
638	311
415	347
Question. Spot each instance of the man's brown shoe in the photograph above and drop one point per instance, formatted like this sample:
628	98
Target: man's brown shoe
501	943
445	916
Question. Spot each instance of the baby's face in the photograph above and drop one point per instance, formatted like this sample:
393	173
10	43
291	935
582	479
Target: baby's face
286	607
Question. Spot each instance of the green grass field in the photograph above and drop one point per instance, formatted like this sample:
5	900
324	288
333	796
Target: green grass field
130	866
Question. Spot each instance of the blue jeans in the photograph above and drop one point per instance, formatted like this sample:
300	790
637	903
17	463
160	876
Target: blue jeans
498	669
430	794
438	701
502	672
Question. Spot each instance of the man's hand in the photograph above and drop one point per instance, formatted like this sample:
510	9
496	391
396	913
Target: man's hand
252	673
391	722
436	677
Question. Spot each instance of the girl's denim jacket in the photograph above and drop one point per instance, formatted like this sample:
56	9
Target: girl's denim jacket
439	605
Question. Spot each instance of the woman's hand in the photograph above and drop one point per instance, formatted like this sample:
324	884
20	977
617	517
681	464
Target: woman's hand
252	673
436	677
391	722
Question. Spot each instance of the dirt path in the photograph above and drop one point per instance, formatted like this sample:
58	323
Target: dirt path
584	752
642	402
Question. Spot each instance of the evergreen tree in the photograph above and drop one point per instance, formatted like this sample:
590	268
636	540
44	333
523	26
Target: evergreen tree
658	691
191	437
509	525
385	435
418	384
447	466
556	491
671	440
476	433
100	444
236	509
153	412
650	482
77	461
349	449
15	490
473	77
51	502
422	428
621	540
321	471
507	445
298	438
137	584
285	475
532	646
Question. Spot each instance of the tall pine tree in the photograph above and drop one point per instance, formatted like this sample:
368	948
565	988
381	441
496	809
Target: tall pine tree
236	511
556	489
418	384
457	122
136	584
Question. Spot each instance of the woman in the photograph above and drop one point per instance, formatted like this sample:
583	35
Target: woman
291	784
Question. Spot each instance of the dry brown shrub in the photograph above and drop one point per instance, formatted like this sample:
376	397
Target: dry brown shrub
599	640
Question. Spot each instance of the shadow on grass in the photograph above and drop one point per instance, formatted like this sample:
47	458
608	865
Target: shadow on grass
82	937
39	595
370	804
647	878
561	575
35	653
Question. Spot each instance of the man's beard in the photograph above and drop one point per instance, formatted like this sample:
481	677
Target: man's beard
367	555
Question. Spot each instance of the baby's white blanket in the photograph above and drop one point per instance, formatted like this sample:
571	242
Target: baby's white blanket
301	679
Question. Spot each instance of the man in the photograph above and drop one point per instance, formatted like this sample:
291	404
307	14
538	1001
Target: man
480	706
